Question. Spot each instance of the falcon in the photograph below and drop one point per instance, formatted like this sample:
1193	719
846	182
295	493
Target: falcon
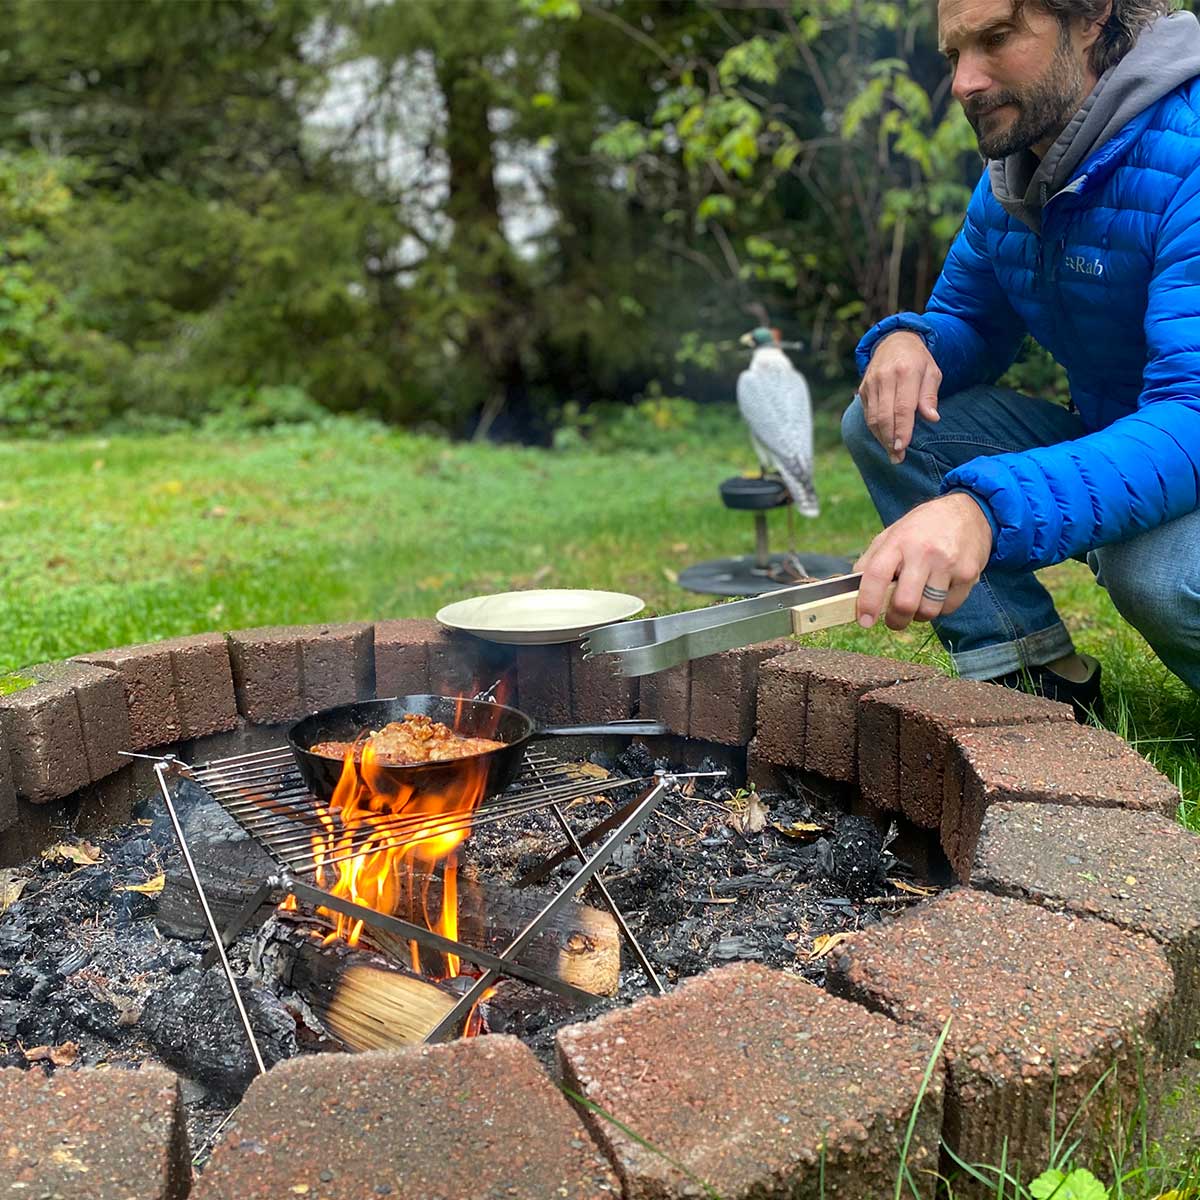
773	398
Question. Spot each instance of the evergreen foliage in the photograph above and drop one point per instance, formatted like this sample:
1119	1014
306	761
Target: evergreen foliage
474	215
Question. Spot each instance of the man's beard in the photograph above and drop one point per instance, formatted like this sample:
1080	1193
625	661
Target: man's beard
1043	108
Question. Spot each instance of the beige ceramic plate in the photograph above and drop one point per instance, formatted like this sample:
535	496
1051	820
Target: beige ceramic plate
538	618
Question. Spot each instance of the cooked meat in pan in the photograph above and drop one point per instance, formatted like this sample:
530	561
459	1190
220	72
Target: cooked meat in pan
416	739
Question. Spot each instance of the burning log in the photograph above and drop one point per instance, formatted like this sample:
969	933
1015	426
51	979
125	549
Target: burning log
581	945
363	1000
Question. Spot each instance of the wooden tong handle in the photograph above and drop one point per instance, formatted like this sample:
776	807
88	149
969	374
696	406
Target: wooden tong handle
833	610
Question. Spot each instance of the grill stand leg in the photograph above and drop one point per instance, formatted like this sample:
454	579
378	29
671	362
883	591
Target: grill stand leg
160	771
268	890
447	1026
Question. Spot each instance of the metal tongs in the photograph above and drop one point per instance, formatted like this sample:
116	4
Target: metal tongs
643	647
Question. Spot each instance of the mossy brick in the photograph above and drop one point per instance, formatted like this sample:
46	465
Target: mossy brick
757	1083
916	721
472	1118
544	683
1136	870
724	692
92	1135
599	692
1042	1009
1061	763
284	672
66	730
666	696
176	689
815	708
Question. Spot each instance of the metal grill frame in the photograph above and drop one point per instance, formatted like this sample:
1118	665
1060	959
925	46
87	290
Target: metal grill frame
236	772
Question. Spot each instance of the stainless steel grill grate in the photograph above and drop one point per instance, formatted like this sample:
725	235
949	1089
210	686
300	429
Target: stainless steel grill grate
264	793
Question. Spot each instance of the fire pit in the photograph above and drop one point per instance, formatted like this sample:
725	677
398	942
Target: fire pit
955	767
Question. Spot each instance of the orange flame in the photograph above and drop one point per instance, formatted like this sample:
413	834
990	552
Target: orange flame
383	839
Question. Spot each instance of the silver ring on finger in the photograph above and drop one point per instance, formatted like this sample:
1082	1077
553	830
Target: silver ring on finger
936	595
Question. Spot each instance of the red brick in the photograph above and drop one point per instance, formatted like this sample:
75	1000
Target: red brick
666	696
544	683
1136	870
8	793
1042	1005
66	730
808	700
281	673
175	689
402	656
782	700
462	665
92	1135
922	715
599	692
724	692
757	1083
471	1118
1053	764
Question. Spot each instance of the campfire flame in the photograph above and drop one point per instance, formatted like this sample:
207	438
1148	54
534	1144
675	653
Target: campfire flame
392	841
385	843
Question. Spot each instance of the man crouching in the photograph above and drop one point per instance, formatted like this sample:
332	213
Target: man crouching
1084	231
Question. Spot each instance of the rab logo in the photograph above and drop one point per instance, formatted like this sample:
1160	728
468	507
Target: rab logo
1081	265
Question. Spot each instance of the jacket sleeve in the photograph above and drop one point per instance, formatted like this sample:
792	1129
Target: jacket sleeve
1142	470
968	325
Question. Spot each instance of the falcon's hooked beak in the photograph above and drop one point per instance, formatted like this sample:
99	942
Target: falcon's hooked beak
747	340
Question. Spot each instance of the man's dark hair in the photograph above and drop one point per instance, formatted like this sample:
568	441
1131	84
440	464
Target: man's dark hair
1126	20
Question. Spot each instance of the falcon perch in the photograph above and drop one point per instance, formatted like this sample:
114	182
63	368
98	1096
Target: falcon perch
773	398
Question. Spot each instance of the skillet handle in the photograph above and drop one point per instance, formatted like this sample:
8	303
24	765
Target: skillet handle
626	728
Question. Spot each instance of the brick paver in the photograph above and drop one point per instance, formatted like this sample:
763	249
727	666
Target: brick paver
904	737
474	1119
1063	763
283	672
724	692
666	696
757	1084
1135	869
1040	1005
808	706
92	1135
176	689
65	731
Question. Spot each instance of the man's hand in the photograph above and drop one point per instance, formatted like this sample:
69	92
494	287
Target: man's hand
901	380
936	554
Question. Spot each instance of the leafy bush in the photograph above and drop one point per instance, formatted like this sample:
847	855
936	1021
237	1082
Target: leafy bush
1037	374
240	410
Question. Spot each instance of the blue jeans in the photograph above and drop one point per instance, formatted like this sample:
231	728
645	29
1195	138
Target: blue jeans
1008	621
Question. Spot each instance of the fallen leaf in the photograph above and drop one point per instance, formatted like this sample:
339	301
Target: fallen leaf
83	854
670	576
752	818
912	888
173	487
801	829
150	888
11	887
591	770
680	547
60	1056
540	574
217	512
827	941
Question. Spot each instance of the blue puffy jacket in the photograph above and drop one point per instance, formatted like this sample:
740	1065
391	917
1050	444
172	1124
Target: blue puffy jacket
1111	288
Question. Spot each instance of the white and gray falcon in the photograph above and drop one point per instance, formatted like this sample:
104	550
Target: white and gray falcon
773	398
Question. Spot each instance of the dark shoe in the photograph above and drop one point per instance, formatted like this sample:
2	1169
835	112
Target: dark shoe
1084	697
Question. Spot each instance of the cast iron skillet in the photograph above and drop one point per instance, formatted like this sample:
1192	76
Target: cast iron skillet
472	718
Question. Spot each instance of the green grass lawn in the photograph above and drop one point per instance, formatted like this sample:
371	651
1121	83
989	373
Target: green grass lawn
108	541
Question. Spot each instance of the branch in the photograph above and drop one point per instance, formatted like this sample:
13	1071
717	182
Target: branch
643	39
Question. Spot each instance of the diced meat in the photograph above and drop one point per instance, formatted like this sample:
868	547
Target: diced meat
416	739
